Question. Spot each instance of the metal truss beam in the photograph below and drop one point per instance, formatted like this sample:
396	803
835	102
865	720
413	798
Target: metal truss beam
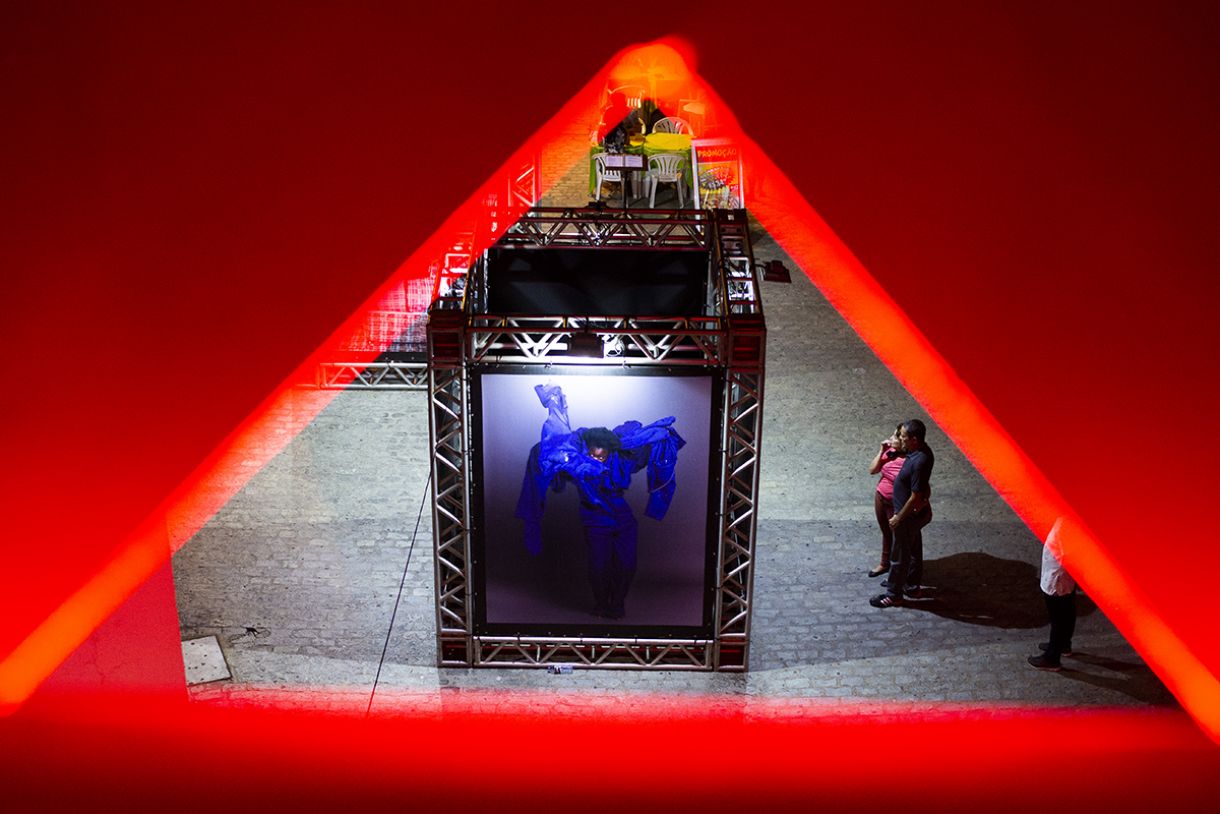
730	336
656	229
373	376
738	518
627	340
524	185
667	654
450	487
734	257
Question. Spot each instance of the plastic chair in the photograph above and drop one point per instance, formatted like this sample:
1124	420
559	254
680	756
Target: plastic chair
671	124
666	168
611	174
634	93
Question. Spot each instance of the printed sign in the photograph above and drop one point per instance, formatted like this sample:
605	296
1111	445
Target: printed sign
719	175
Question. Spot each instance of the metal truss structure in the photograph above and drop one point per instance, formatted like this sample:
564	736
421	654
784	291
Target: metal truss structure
379	375
729	336
395	329
633	654
659	229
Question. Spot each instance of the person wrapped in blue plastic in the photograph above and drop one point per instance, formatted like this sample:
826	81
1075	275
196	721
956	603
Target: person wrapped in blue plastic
600	462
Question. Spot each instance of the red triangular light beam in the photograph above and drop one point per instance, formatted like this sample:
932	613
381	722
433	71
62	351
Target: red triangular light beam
841	278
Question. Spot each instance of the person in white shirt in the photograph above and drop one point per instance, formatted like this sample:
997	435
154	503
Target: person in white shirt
1059	591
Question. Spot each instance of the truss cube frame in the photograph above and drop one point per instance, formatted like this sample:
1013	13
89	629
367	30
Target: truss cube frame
730	336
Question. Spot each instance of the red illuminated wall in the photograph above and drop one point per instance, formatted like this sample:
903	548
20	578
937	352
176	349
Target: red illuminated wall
136	650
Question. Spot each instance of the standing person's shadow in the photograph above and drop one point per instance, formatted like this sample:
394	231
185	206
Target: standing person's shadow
981	589
1132	678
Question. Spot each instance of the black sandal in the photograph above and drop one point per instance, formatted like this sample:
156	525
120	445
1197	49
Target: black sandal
879	570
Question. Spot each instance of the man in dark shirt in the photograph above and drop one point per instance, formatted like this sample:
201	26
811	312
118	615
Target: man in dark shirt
912	487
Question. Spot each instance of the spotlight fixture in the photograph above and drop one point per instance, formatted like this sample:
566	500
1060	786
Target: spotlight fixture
585	344
774	271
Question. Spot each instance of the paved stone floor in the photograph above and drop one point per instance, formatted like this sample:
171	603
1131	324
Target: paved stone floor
299	574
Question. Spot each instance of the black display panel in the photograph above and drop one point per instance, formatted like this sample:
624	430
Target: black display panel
597	562
597	282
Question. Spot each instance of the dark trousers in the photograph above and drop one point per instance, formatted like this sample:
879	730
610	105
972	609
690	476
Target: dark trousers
612	555
906	558
1062	611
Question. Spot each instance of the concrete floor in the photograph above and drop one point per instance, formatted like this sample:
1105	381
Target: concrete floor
299	575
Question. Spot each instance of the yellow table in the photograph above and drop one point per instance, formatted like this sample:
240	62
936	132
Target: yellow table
667	143
653	143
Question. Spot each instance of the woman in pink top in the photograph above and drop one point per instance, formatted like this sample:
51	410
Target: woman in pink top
887	461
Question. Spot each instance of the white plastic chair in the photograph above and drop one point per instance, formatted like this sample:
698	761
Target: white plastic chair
634	93
671	124
611	174
666	168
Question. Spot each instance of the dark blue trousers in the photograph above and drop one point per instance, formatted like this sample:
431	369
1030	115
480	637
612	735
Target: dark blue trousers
906	558
611	541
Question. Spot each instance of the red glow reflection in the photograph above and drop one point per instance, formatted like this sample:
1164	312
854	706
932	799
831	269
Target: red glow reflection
669	753
847	285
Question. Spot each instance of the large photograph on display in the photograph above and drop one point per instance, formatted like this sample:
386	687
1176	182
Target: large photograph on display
592	506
